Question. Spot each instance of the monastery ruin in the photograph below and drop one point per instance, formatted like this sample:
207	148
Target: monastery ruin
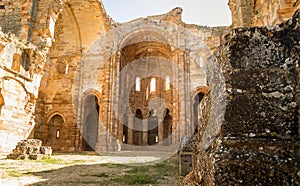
226	98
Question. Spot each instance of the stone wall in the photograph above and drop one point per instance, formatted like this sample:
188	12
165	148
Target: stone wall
74	26
20	74
69	76
261	12
258	142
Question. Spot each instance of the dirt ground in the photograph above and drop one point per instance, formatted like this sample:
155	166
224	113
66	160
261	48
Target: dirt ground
91	169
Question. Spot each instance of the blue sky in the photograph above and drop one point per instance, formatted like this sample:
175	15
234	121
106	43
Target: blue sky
201	12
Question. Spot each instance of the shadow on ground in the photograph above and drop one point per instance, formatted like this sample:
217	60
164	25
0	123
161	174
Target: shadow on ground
162	173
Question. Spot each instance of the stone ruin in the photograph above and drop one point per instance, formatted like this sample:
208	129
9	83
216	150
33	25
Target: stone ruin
30	149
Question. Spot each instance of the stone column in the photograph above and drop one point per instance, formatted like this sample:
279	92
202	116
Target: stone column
130	127
145	133
160	131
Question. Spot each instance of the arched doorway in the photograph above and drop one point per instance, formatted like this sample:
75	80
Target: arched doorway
137	130
91	123
167	127
152	128
55	132
125	129
196	109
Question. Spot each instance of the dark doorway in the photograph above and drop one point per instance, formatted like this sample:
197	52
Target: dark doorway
197	100
137	128
90	137
125	129
152	128
167	128
56	134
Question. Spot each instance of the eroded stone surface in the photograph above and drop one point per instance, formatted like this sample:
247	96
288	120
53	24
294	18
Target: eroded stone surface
30	149
259	138
241	104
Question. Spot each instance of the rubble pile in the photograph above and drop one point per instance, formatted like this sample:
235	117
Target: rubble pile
30	149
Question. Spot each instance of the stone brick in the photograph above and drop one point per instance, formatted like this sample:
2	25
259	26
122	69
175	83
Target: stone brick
46	150
36	156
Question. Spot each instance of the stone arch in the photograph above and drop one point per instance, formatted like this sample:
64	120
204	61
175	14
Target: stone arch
32	96
56	132
196	109
53	114
197	96
110	53
137	128
90	121
90	92
152	128
201	89
138	35
16	62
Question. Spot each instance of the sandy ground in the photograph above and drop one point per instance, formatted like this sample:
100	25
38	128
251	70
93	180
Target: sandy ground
69	169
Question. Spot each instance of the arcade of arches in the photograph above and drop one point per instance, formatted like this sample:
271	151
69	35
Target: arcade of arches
79	81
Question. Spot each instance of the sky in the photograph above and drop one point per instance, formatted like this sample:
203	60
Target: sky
200	12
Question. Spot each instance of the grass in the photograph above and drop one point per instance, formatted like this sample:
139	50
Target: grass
101	175
51	161
138	169
13	173
163	173
149	174
133	179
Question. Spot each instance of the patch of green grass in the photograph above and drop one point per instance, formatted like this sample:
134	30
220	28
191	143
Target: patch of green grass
102	174
133	179
51	161
13	173
138	169
75	162
116	165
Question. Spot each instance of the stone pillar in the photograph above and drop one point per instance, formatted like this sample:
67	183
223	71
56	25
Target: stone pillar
145	133
130	127
160	131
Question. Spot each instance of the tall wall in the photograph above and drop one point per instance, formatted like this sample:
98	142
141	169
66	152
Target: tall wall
78	24
261	12
258	140
21	69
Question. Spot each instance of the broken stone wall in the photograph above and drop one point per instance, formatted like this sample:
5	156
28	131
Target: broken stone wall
261	12
17	17
20	74
258	142
74	25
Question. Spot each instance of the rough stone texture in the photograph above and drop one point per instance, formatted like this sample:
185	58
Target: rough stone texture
30	149
261	12
258	142
20	74
60	72
90	74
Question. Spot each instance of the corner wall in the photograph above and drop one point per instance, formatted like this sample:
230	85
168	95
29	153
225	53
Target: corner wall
259	138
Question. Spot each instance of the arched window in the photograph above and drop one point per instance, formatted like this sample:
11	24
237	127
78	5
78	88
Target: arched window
153	85
57	133
168	83
138	84
67	69
201	62
16	62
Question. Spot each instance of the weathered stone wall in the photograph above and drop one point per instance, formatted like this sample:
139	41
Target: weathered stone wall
17	17
20	74
63	91
258	142
261	12
74	25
